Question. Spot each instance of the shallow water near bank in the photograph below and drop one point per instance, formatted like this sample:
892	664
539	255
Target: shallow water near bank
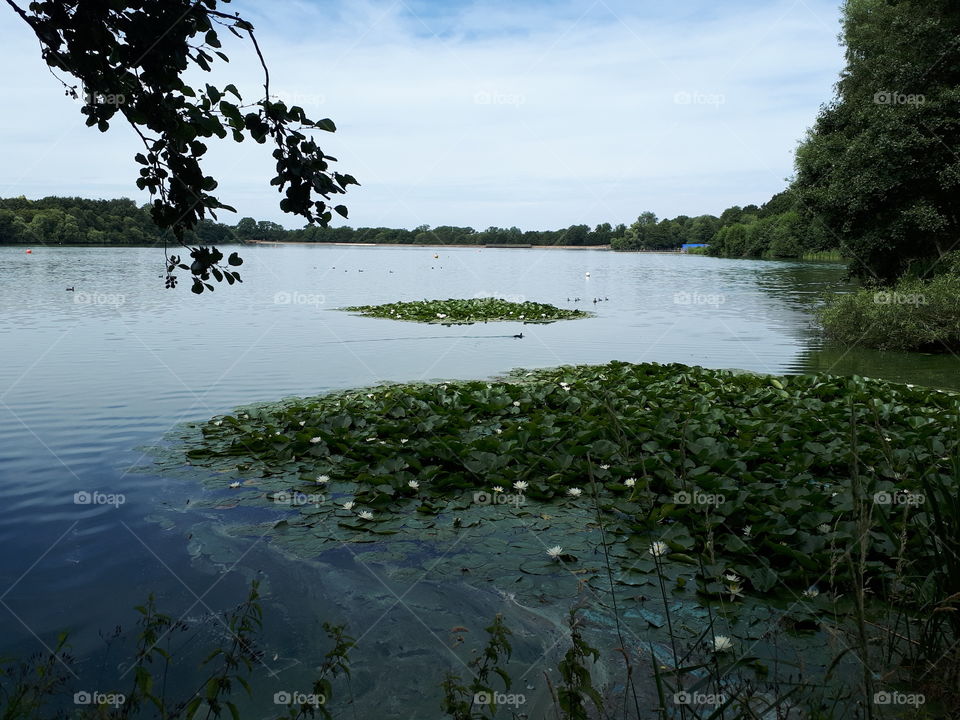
92	379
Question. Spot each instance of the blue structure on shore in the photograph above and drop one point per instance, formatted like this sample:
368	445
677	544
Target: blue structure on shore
686	246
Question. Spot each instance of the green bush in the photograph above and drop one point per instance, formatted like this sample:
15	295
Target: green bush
912	315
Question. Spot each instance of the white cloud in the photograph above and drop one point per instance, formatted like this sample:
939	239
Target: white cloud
532	115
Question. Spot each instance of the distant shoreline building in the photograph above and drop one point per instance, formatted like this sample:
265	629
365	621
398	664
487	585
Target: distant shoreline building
686	246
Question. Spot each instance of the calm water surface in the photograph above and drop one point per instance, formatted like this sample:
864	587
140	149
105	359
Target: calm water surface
91	380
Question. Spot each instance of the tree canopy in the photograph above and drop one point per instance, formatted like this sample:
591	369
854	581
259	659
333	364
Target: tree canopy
130	59
881	166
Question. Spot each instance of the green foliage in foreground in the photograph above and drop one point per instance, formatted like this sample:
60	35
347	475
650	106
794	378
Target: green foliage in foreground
770	477
456	312
912	315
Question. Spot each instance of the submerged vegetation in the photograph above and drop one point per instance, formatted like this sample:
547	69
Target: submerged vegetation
464	312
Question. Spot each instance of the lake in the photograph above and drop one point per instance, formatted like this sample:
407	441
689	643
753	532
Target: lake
93	381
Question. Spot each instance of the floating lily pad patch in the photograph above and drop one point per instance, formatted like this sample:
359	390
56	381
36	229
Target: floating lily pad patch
744	485
468	311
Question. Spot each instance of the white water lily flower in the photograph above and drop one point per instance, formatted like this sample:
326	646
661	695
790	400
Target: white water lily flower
735	590
302	423
823	528
659	549
630	482
721	643
441	316
322	479
218	422
348	505
747	529
521	485
497	488
315	440
811	592
516	403
574	492
234	484
555	552
369	395
404	441
731	576
413	484
365	515
604	467
499	431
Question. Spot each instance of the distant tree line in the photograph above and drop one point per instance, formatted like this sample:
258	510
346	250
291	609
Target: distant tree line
776	229
576	235
79	221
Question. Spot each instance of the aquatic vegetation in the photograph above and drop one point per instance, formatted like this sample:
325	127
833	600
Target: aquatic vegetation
467	311
754	473
913	315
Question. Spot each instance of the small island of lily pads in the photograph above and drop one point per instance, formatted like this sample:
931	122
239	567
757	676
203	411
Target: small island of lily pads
467	311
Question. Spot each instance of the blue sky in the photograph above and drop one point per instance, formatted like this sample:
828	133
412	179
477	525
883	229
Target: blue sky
534	114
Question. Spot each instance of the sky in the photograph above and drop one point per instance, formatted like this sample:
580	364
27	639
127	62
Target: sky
530	113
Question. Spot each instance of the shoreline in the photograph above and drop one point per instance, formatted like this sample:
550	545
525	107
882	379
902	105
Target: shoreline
602	248
421	245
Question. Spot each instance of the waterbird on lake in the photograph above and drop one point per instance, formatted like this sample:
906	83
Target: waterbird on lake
519	336
70	289
588	275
